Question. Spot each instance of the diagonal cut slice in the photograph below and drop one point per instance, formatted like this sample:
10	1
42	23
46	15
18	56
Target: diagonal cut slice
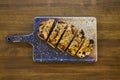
44	28
57	32
86	49
76	43
67	37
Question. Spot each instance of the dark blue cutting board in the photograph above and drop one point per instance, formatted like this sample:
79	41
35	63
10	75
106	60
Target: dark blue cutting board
42	52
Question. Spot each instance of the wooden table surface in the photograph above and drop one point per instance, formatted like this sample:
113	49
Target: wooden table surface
17	16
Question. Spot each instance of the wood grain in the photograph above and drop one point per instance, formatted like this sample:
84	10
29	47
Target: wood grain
17	16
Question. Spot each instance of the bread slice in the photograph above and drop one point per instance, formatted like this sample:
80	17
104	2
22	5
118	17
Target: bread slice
76	43
86	49
56	33
67	37
44	29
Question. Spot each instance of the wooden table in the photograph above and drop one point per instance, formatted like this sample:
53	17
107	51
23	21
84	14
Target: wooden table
17	16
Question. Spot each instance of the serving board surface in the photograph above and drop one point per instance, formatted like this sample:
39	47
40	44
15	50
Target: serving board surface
44	52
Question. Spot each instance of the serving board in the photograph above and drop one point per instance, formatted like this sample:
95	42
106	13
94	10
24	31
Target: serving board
42	52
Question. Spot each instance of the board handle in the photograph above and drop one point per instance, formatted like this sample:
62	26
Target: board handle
15	38
18	38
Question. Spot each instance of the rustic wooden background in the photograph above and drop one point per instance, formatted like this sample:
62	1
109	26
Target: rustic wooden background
16	16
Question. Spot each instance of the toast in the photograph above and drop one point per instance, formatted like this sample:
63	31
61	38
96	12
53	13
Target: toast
44	28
